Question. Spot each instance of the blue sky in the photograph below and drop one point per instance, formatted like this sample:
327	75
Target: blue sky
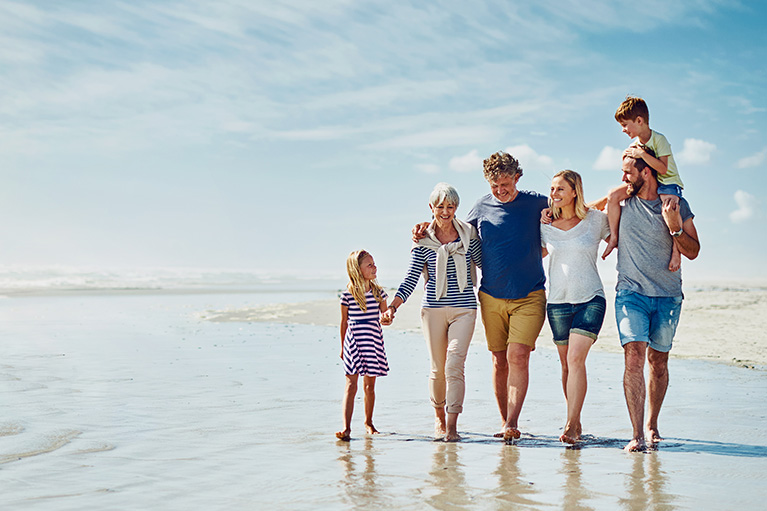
282	135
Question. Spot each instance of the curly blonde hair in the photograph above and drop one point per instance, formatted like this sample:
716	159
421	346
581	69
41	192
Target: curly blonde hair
500	164
358	285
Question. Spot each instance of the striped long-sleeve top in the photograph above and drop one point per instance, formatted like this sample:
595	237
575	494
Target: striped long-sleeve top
422	256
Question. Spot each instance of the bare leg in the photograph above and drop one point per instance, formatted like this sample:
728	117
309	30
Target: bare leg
634	390
657	387
518	356
577	383
562	350
370	402
452	428
350	391
440	422
500	383
614	199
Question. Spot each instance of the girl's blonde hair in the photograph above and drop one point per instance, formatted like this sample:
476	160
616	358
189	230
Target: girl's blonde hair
357	285
576	183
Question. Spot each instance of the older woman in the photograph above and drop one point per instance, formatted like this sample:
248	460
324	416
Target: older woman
576	301
449	308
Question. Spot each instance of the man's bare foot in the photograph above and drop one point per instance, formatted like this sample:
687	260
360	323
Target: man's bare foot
371	429
510	434
344	436
653	436
611	245
636	445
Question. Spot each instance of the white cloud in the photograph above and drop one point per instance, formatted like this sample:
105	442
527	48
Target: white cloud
467	163
529	159
427	168
754	160
747	206
696	152
609	159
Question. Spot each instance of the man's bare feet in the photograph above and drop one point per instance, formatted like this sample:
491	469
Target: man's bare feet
636	445
653	436
344	436
611	245
371	429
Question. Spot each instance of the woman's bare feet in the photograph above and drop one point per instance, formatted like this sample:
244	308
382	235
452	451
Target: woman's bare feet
452	436
571	434
636	445
371	429
344	436
440	429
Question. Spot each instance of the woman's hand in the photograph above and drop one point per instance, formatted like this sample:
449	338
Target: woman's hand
387	317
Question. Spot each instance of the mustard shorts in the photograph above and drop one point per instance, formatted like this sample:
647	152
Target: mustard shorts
512	321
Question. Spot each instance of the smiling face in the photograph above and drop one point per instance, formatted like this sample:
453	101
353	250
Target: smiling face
368	267
631	176
443	213
505	187
632	128
562	193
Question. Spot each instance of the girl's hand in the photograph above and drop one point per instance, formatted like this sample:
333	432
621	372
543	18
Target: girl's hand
387	317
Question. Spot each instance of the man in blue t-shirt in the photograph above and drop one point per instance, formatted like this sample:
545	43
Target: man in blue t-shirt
511	295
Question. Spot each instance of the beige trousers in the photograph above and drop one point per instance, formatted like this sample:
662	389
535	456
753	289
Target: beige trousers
448	332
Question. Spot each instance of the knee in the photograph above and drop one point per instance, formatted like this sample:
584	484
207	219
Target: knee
351	386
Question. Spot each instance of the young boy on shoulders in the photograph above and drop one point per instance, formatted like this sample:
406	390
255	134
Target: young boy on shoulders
634	118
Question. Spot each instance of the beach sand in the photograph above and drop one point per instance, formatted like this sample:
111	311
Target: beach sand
167	401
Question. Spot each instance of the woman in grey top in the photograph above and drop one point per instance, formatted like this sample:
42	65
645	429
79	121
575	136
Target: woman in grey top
576	302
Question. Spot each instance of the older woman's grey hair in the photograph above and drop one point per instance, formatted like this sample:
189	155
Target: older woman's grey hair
443	192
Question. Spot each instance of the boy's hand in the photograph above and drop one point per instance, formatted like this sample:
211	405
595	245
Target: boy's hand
546	216
635	152
419	231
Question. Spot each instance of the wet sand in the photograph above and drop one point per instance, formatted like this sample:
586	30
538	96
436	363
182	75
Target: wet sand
139	401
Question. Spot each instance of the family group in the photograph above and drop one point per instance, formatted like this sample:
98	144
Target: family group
507	234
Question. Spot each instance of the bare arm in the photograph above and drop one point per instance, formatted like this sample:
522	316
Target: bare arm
419	231
384	316
687	243
344	326
659	164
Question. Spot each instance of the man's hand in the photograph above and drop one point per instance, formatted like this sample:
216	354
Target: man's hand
546	216
419	231
672	216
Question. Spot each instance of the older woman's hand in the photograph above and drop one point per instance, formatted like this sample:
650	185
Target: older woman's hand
387	317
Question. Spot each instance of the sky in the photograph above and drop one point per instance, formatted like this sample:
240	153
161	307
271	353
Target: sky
280	135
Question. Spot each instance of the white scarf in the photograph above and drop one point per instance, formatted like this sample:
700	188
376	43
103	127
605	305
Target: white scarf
456	249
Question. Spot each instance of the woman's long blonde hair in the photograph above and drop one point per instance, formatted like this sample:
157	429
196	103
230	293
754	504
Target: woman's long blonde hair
575	181
358	285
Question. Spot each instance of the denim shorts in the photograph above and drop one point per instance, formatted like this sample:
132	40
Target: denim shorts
669	190
576	318
647	319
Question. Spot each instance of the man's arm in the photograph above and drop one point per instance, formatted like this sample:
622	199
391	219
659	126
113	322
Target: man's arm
687	243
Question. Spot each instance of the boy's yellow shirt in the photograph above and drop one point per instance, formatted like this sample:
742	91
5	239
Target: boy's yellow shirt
661	147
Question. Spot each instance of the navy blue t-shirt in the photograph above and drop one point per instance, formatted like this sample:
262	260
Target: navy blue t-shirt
510	233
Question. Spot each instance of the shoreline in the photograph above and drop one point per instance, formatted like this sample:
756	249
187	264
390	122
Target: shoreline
709	314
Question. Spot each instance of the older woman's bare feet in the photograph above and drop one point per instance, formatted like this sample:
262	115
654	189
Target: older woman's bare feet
452	436
371	429
344	436
636	445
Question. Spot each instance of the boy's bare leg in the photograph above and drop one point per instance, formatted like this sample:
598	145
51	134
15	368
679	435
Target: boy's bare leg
350	391
614	199
676	257
370	401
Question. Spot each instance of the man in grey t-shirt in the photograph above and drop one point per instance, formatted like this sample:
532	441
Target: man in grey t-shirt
648	296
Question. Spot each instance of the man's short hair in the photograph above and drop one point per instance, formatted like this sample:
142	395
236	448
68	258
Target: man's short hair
500	164
631	108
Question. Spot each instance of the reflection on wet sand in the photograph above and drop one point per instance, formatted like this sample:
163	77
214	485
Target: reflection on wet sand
646	485
359	481
575	495
448	478
513	488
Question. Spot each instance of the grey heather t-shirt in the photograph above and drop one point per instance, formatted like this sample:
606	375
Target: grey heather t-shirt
644	249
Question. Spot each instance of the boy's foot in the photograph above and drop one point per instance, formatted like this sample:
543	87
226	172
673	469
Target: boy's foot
612	245
676	261
371	429
343	436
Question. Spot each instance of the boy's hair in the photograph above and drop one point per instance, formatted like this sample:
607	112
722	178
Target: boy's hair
357	283
631	108
500	164
576	183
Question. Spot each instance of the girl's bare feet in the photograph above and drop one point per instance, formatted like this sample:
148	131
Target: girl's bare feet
344	436
371	429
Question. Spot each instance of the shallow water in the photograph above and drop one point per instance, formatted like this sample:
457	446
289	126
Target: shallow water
131	401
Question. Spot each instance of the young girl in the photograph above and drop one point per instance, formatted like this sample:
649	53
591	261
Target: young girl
362	347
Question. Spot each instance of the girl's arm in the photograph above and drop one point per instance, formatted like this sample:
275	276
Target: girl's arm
344	326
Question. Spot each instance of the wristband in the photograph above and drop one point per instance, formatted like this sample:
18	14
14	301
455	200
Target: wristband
677	233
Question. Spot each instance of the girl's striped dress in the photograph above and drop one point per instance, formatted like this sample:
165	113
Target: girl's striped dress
364	352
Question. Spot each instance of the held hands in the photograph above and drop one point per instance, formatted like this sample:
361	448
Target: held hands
546	216
387	317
